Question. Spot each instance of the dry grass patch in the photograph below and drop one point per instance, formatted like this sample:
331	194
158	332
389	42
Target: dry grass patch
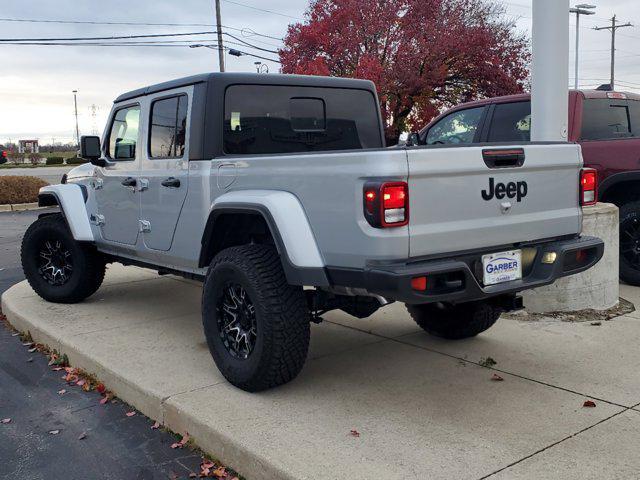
17	189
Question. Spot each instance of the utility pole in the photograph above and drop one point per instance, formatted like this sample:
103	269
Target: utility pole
75	104
219	28
581	9
614	26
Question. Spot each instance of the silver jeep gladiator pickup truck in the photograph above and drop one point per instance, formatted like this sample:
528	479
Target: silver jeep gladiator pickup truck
278	192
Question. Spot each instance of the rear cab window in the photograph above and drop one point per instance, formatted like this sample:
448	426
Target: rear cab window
263	119
607	119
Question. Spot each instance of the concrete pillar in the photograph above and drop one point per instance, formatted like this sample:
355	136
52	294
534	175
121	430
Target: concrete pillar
550	70
598	287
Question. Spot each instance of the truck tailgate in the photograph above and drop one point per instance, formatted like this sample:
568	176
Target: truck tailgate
459	202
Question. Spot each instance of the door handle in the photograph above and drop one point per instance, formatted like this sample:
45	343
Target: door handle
171	182
129	182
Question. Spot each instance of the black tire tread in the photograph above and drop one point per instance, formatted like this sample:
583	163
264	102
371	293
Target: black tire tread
456	322
286	315
94	264
627	273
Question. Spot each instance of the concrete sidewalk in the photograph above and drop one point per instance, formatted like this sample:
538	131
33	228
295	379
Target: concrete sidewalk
423	406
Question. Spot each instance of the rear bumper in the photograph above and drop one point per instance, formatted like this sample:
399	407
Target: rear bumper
458	278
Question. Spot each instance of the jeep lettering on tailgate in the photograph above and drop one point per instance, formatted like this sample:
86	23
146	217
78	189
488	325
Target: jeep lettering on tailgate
517	190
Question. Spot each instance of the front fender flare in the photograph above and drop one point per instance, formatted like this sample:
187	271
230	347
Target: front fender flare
71	200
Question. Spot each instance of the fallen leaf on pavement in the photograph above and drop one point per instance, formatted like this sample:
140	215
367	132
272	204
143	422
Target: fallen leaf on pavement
193	475
62	392
589	403
27	344
104	400
82	436
182	442
354	433
54	432
130	414
15	334
205	468
596	324
30	359
56	369
155	426
80	382
31	350
101	388
5	420
496	378
220	472
53	359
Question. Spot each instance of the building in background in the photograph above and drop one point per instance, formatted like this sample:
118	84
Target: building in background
28	146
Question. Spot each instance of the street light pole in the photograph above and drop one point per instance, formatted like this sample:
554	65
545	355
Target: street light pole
581	9
614	26
219	31
75	105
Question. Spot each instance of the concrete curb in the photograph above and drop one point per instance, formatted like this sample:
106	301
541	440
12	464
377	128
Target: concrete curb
168	413
19	207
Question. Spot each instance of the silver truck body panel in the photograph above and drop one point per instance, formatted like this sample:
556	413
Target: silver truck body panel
316	200
449	214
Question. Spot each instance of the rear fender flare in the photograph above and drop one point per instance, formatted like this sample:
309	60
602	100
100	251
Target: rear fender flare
71	200
289	226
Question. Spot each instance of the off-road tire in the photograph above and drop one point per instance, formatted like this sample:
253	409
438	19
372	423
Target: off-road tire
629	218
281	318
88	264
454	322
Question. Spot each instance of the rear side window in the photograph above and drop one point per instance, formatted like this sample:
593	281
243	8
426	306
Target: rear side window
634	113
262	119
168	127
511	122
123	135
605	119
458	127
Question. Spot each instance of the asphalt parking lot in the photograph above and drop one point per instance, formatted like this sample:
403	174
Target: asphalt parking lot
115	447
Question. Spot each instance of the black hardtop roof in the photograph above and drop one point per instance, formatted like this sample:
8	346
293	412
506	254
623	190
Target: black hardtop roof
229	78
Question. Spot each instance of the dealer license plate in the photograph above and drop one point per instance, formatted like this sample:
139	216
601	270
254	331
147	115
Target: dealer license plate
502	267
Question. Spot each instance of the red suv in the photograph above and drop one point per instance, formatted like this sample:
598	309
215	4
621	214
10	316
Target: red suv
605	124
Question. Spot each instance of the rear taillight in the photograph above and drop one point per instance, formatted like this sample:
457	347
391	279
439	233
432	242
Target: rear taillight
386	204
588	186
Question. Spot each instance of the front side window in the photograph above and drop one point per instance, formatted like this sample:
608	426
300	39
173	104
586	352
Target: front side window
168	127
123	136
262	119
605	119
458	127
511	122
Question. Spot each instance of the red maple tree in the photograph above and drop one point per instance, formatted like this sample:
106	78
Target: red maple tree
423	55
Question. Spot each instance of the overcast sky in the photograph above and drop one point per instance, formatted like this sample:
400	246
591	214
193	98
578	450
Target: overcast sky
36	81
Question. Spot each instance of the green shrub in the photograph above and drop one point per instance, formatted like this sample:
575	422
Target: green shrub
75	161
18	189
55	160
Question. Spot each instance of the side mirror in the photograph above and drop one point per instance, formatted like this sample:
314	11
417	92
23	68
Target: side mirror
90	150
413	139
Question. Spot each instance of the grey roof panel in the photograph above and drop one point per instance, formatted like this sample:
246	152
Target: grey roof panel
230	78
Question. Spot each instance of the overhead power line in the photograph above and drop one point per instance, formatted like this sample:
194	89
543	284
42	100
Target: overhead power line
250	31
113	37
263	10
